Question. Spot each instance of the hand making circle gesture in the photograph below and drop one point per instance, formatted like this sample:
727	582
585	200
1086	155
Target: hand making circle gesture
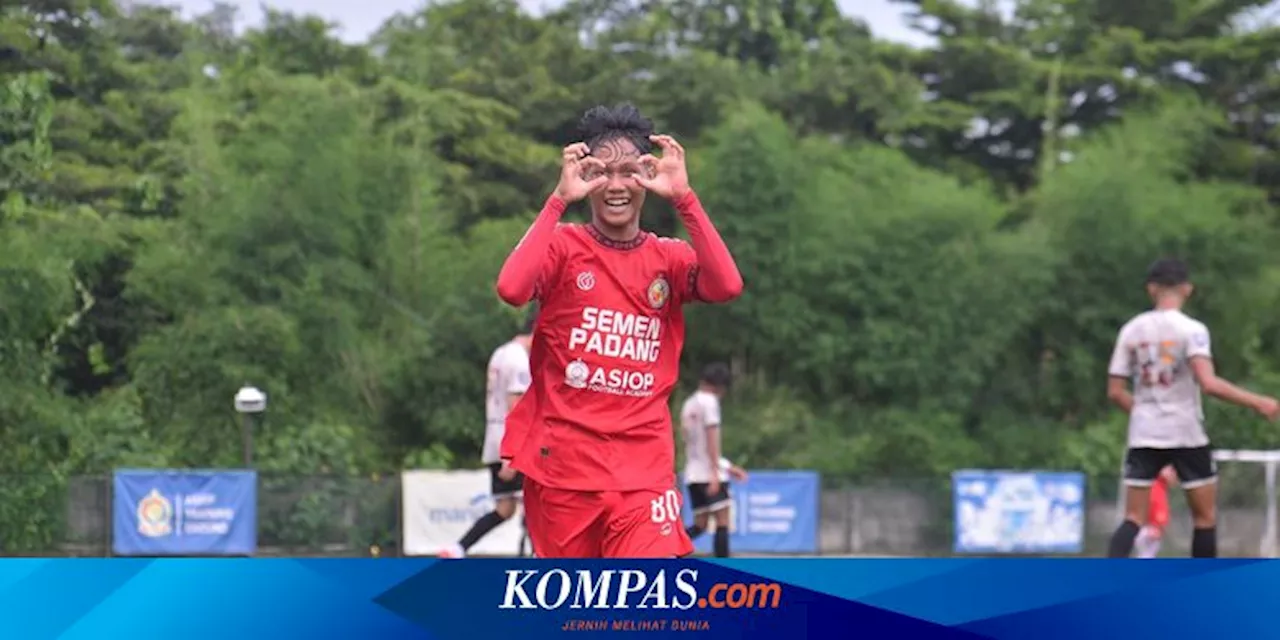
669	177
576	163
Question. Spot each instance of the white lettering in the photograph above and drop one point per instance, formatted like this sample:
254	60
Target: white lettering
684	584
774	512
220	513
515	589
552	589
615	334
657	591
629	576
541	592
587	590
206	528
777	526
199	499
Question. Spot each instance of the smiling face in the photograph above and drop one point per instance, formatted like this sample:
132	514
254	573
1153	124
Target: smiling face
615	209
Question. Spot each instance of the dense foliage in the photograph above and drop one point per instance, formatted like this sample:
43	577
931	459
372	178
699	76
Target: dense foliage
938	244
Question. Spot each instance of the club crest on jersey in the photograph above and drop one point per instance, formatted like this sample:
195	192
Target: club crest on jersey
575	375
658	292
586	281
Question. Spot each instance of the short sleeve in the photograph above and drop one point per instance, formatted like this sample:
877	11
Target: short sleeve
711	411
684	270
518	375
552	264
1121	360
1198	342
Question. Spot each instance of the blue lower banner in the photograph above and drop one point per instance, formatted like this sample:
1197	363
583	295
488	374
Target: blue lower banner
248	599
772	512
184	513
1018	511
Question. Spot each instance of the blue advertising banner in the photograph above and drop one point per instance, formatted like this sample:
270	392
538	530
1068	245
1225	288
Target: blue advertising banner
427	599
184	513
1018	511
773	512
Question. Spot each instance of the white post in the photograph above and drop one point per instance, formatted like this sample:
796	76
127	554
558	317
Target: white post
1269	539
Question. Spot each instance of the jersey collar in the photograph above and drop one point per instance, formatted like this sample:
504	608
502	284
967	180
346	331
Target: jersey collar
606	241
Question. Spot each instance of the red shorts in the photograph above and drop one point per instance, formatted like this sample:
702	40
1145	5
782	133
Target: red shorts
604	524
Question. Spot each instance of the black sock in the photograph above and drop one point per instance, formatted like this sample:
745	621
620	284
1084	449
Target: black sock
721	545
484	525
1204	543
694	531
1122	540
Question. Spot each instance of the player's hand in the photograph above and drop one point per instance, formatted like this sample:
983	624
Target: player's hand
668	176
713	487
738	474
1268	408
506	473
575	165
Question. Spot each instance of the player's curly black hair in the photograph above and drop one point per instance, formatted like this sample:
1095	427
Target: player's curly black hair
601	124
1168	272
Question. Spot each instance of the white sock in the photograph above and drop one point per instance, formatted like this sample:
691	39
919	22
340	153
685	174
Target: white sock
1147	544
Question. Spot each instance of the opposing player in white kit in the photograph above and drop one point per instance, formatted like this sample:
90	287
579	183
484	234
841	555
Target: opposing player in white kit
706	472
508	379
1165	355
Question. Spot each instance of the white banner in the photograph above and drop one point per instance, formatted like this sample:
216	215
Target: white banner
440	506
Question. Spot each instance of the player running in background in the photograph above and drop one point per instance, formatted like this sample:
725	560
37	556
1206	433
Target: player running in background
1165	355
706	471
1149	538
594	434
508	379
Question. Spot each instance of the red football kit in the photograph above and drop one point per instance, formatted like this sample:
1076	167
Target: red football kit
593	434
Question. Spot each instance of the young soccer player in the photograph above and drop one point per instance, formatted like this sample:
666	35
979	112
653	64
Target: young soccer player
1149	538
508	379
706	472
594	435
1164	354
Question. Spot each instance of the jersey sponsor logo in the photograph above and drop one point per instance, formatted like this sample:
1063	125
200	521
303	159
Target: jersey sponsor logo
658	293
621	382
617	334
576	374
586	281
618	382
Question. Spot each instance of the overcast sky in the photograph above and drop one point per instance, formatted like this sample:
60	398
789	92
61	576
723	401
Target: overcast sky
359	18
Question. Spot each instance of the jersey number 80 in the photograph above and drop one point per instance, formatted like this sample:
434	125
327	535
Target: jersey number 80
666	507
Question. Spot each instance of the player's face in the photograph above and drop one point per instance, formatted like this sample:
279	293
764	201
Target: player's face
1182	291
617	205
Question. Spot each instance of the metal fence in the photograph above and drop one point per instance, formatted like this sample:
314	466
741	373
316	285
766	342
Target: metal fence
319	516
361	517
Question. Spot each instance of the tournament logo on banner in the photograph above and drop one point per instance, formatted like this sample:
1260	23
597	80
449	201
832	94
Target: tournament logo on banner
1018	512
772	512
184	513
439	507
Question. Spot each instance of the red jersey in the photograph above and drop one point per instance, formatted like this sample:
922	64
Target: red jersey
605	355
